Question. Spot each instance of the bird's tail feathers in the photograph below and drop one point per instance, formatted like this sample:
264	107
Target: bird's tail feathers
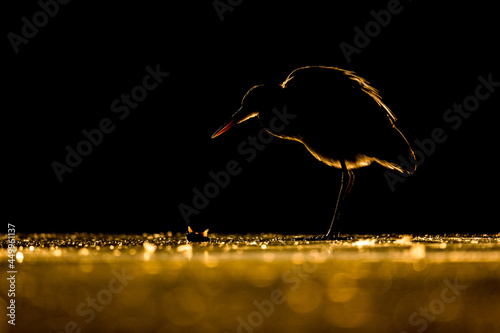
412	154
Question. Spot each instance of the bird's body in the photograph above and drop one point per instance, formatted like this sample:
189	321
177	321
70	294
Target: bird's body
338	117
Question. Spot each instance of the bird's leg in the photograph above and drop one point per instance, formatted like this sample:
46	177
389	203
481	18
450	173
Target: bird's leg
346	183
345	189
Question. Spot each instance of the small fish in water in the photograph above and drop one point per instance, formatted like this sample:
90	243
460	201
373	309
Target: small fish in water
193	236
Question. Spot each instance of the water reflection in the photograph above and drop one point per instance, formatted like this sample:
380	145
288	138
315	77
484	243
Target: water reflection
259	283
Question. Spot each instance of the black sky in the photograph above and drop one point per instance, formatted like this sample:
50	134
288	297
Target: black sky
65	79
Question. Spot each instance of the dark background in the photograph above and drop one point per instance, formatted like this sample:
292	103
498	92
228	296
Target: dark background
65	78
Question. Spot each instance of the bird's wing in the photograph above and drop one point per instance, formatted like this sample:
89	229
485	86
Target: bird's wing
372	92
364	85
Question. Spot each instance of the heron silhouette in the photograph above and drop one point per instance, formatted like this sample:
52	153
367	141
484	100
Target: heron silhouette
339	118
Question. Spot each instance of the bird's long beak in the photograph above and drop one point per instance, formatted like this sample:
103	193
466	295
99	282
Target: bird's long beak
238	117
224	128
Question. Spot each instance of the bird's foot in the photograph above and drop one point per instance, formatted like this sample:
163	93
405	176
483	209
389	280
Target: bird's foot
323	238
336	236
340	238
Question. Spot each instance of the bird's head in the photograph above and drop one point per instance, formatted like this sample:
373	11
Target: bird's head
257	100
